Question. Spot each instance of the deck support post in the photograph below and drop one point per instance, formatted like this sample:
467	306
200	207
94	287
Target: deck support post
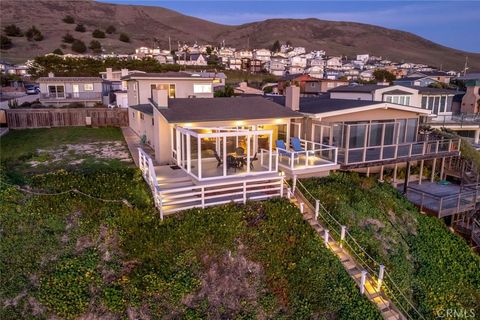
381	173
395	173
421	172
317	208
325	237
294	184
362	281
433	170
381	273
442	168
407	178
368	171
302	207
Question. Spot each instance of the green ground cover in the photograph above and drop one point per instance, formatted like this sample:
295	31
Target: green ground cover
69	255
434	267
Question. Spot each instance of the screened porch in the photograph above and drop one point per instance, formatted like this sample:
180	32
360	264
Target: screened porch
213	153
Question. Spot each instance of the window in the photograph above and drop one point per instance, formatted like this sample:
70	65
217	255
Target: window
88	87
202	88
407	101
164	86
142	116
443	107
56	91
424	102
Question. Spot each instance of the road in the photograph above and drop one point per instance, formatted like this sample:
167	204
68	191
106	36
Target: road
20	100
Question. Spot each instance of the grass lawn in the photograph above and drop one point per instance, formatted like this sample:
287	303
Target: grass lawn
68	255
434	267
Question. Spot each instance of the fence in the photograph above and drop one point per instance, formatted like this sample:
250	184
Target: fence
66	117
201	196
335	230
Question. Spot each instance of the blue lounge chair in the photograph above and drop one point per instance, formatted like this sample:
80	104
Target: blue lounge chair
296	144
281	145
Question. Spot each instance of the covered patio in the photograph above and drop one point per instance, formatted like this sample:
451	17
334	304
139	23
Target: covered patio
208	153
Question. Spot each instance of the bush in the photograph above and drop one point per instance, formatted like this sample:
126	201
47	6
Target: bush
13	31
110	29
34	34
95	46
58	51
124	37
79	46
5	42
80	28
68	38
69	19
98	33
74	105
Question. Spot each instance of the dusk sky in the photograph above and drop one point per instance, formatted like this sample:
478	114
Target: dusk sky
452	23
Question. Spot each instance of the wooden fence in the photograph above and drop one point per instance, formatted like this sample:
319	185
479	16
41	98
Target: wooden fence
68	117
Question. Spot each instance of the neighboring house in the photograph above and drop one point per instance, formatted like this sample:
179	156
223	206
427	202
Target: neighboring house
234	64
218	78
255	66
195	59
440	76
327	84
315	71
118	86
262	55
248	54
471	99
277	66
179	85
308	85
334	62
60	91
415	81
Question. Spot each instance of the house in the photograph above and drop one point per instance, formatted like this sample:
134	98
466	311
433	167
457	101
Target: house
262	55
415	81
471	99
315	71
118	87
59	91
295	69
307	84
140	86
195	59
256	66
248	54
440	76
327	84
234	64
334	62
277	66
298	61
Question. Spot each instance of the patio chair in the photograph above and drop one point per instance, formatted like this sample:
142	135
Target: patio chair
296	144
239	151
232	163
281	144
219	160
253	159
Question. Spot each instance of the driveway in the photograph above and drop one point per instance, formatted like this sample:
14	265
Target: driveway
20	99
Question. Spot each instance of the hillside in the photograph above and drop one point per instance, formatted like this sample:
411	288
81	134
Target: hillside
143	23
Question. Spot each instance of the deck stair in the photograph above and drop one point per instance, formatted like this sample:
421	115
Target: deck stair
354	265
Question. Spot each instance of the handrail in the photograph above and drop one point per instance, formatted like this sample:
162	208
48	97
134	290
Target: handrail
332	223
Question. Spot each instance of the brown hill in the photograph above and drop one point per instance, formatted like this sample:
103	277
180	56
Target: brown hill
144	23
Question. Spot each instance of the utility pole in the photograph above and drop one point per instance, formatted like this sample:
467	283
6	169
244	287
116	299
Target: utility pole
169	44
466	66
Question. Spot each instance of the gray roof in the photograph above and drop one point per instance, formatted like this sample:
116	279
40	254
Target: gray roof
145	108
436	73
428	90
64	79
410	79
366	88
319	105
224	109
169	74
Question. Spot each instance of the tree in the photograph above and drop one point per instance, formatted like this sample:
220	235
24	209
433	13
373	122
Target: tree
79	46
98	33
95	46
227	91
13	31
5	42
80	28
68	38
276	46
69	19
34	34
382	75
110	29
124	37
58	51
209	50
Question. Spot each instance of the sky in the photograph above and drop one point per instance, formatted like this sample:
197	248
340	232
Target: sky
451	23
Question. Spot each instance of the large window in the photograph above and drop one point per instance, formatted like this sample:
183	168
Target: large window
398	99
56	91
164	86
202	88
88	87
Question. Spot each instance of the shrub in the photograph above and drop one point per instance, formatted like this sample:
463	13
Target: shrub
95	46
69	19
98	33
34	34
68	38
110	29
79	46
80	28
13	31
5	42
124	37
58	51
74	105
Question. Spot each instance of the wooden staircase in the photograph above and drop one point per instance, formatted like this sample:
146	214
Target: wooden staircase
377	297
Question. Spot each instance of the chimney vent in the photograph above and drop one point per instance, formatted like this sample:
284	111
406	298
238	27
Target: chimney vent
51	75
292	98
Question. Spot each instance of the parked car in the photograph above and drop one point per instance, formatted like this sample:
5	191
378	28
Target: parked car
32	89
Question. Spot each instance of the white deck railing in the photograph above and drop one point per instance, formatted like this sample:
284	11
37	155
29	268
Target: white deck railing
314	155
201	196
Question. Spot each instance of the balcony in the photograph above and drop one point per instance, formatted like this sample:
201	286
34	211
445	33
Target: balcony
386	154
81	96
309	157
459	119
